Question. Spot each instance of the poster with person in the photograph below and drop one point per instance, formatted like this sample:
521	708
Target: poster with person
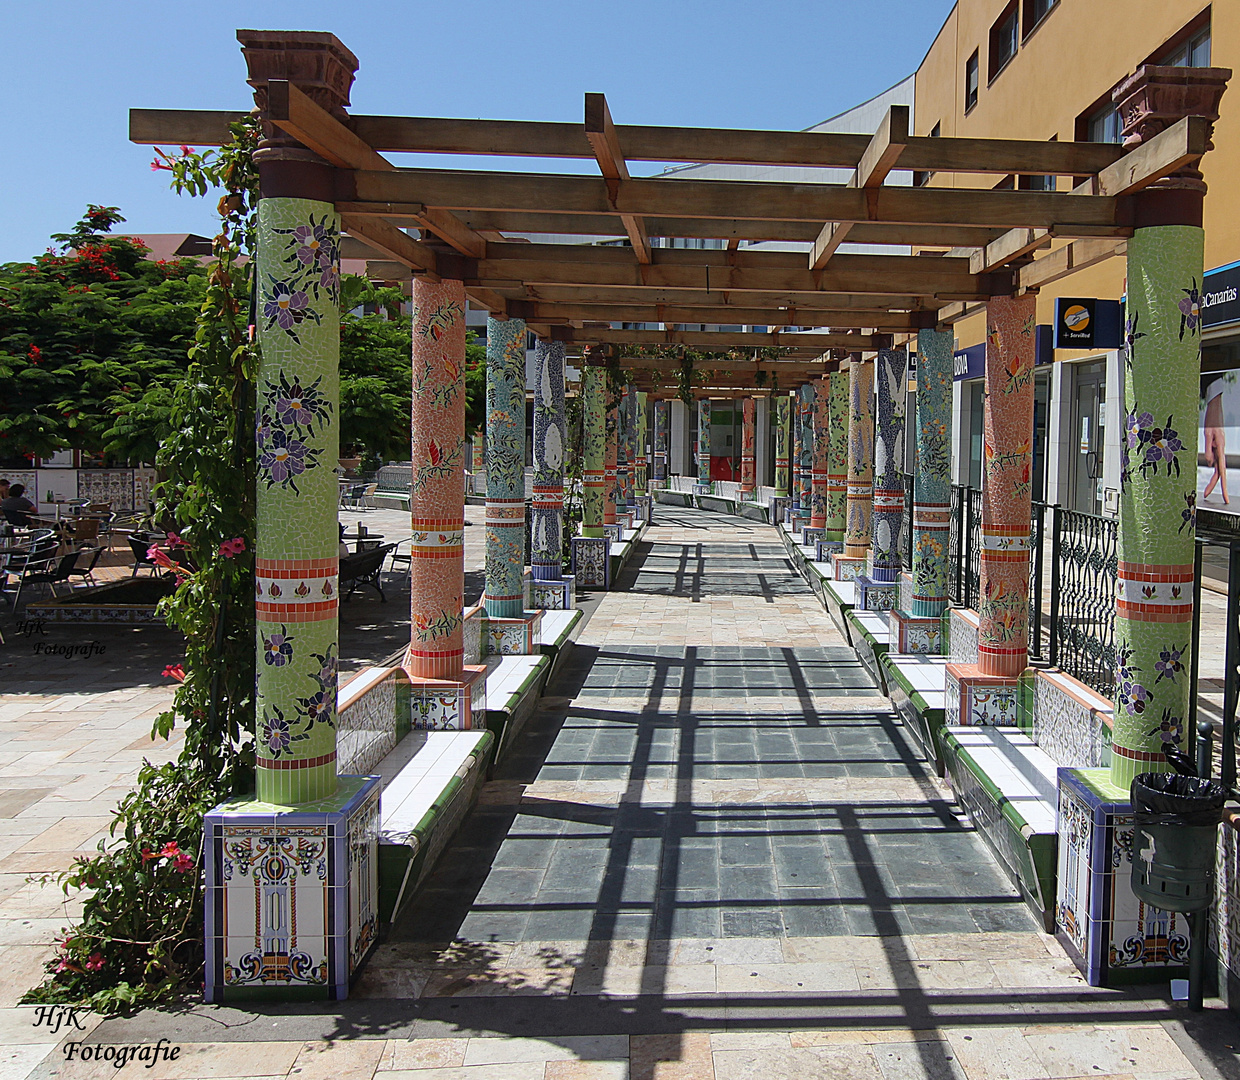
1218	446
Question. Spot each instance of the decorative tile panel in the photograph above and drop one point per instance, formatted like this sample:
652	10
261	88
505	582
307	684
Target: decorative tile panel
976	699
847	568
513	637
592	561
1071	722
448	704
875	595
963	636
824	549
913	635
554	595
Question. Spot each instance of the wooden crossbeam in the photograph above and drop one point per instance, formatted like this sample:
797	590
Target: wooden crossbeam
602	135
1067	260
744	316
460	190
574	294
1014	244
879	159
657	365
1183	143
724	146
410	255
722	339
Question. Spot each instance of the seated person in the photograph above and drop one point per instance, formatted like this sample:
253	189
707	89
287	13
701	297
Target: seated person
17	508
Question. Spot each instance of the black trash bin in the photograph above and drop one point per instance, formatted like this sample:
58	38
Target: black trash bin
1173	845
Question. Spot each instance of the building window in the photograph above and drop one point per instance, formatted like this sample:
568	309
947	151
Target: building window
921	179
1035	12
1037	183
1004	38
1103	125
1195	52
970	82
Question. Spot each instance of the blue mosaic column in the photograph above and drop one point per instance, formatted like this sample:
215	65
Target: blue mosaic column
505	556
703	461
887	514
547	510
932	482
805	460
660	443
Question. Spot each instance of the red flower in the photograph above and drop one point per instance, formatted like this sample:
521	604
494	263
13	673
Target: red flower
174	541
148	855
64	965
230	548
95	963
171	850
183	863
174	671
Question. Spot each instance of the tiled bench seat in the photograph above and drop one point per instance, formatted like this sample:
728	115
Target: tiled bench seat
915	683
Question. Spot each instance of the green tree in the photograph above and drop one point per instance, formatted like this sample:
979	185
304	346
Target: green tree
93	338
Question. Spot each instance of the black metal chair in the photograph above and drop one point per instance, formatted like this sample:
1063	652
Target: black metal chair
140	544
364	568
86	572
47	576
30	567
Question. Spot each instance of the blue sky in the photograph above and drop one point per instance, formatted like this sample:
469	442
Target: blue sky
73	69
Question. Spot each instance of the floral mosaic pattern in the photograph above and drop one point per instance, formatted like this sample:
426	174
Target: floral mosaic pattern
805	459
660	442
887	515
821	419
703	451
932	484
1158	495
547	511
505	451
594	451
837	456
860	458
781	444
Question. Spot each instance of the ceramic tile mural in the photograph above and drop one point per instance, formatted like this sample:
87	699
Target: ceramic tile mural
643	435
297	494
513	637
1158	491
874	595
860	459
611	428
847	567
794	449
554	595
1225	924
824	549
887	514
747	454
505	452
592	561
448	705
291	894
972	699
1003	607
1115	936
119	487
660	442
837	455
623	461
913	635
703	441
437	567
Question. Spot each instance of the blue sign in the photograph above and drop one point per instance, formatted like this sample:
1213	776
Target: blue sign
1088	323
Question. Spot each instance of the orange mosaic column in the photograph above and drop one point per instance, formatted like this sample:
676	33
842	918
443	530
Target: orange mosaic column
1003	606
437	571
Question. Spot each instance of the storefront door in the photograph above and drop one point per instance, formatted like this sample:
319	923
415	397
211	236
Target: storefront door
1088	436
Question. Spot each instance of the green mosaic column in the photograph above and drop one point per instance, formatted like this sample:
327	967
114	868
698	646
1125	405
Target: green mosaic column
297	545
505	513
932	484
593	464
860	459
1158	494
624	459
837	456
703	461
611	427
643	462
805	463
781	444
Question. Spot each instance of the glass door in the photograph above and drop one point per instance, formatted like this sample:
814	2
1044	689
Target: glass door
1088	436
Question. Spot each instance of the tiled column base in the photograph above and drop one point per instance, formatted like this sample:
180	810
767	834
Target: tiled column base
962	635
450	704
557	594
291	895
514	637
906	590
875	595
973	698
824	549
645	508
613	531
811	535
846	567
776	506
703	489
1111	935
592	561
910	634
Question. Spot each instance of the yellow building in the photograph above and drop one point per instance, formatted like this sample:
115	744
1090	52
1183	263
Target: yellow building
1045	69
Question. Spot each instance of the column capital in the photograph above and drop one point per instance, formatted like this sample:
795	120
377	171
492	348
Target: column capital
316	63
1155	97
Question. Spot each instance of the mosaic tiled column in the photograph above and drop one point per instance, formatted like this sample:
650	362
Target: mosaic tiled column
445	693
1158	485
623	461
591	550
630	445
747	447
818	476
878	589
297	545
703	453
781	444
660	443
920	628
505	551
642	483
987	692
549	588
611	466
794	461
837	465
860	472
805	461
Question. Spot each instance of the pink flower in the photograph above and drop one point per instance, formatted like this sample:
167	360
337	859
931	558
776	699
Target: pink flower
64	965
233	547
170	850
148	855
174	671
175	541
95	963
183	862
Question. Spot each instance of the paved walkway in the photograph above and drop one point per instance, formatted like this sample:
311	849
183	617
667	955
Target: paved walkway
714	856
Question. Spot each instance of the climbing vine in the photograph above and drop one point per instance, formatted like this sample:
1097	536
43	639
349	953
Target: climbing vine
139	938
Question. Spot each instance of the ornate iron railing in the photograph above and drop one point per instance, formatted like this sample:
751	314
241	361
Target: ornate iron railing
906	533
1037	560
1084	568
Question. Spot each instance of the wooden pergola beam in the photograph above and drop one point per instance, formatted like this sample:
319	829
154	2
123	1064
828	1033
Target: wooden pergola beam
577	294
461	190
739	339
1183	143
602	135
723	146
755	316
1066	260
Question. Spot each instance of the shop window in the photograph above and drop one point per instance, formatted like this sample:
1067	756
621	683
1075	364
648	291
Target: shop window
1004	39
970	82
1035	11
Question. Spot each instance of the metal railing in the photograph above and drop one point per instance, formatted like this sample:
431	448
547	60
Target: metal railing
1229	735
1084	567
965	545
906	533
